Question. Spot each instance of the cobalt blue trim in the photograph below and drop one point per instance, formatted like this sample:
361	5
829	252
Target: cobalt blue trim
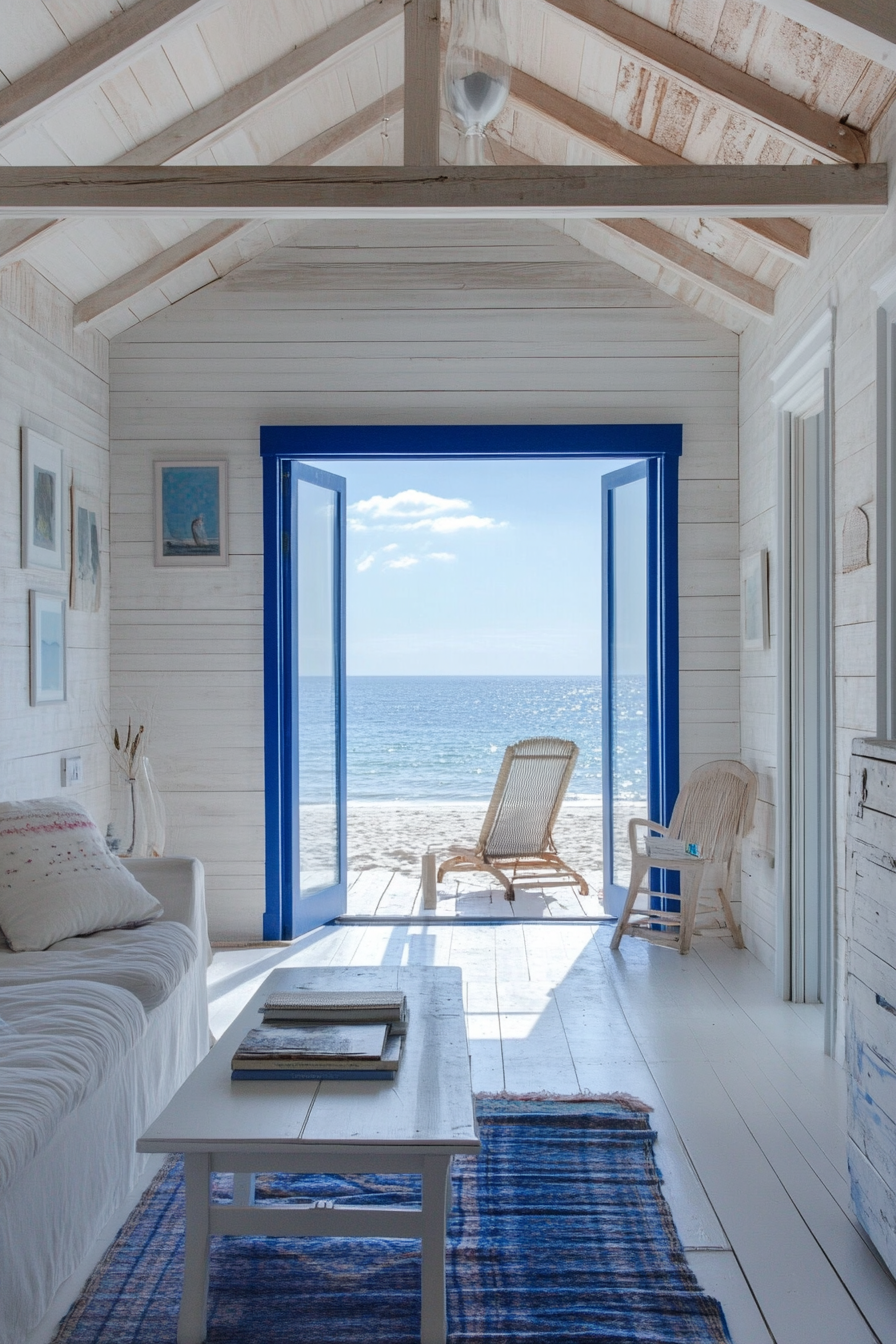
284	446
428	442
286	916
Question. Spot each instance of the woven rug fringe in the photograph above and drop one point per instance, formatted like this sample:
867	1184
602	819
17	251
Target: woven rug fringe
617	1098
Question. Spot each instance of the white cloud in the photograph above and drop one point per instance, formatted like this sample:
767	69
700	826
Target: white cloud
403	562
393	546
365	563
407	504
468	522
441	555
355	526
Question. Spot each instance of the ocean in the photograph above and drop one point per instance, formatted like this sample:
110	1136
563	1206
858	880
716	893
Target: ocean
441	739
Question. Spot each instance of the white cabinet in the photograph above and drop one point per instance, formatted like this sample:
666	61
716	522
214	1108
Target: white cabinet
871	992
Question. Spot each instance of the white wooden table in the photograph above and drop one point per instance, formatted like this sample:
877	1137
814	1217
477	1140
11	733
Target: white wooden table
414	1124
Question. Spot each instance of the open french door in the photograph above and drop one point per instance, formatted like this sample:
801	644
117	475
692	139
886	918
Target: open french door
305	744
639	664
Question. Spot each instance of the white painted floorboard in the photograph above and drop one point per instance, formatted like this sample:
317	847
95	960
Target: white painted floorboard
748	1110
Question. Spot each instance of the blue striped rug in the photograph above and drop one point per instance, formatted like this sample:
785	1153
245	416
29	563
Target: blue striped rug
559	1232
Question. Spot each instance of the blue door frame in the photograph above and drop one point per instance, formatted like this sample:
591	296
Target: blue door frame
283	445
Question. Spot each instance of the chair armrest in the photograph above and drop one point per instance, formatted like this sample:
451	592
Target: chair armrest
179	885
648	825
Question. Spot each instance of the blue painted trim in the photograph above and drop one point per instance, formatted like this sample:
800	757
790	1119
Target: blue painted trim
282	447
286	916
428	442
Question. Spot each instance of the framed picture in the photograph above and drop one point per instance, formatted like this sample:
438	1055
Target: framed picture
754	600
87	535
47	648
43	519
191	513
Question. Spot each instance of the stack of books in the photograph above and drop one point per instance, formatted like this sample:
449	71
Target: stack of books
309	1035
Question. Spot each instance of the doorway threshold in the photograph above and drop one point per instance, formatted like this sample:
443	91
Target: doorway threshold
454	920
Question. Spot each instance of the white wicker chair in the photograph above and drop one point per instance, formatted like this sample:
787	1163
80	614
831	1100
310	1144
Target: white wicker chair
516	844
714	810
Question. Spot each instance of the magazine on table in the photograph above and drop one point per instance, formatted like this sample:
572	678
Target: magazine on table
305	1005
314	1052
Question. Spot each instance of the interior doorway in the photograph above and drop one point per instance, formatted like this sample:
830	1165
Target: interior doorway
297	898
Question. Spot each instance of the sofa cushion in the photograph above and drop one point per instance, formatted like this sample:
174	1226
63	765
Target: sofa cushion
67	1038
58	879
149	962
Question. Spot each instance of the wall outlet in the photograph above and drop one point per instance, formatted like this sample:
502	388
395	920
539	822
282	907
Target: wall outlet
72	771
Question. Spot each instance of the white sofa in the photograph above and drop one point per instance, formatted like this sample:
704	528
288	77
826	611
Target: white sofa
102	1030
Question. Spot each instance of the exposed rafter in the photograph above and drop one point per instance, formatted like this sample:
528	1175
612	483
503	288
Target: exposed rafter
695	264
166	264
344	132
665	50
865	26
420	193
715	276
91	57
158	268
786	236
201	128
422	56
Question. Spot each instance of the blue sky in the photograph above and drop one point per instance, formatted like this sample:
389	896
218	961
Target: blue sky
473	568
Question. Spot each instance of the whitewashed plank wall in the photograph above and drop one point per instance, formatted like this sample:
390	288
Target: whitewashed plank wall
846	258
57	383
289	339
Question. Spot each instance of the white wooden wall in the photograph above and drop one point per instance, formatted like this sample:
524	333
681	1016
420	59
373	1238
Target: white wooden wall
846	258
352	323
57	383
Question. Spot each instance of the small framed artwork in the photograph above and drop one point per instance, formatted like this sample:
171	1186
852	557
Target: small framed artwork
43	520
47	648
191	513
754	600
87	535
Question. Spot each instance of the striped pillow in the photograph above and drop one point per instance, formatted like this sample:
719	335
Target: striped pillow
58	879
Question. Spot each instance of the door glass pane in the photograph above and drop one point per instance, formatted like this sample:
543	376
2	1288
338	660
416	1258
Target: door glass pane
317	729
628	666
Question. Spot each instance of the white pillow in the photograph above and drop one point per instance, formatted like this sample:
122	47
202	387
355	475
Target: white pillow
58	879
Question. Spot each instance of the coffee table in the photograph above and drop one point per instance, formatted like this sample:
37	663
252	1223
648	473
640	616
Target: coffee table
414	1124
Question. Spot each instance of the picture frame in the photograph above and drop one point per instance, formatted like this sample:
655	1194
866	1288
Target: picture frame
43	503
87	540
48	651
191	512
754	600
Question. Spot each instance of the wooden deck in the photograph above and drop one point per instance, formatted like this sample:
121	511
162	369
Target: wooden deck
749	1112
380	893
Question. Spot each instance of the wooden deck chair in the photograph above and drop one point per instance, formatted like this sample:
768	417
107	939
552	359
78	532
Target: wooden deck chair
714	811
516	844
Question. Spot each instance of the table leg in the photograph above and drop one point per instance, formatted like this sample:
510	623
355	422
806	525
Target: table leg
436	1205
191	1322
243	1188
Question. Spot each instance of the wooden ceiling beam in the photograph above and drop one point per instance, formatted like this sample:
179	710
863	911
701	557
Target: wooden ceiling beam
738	190
164	265
715	78
92	57
786	236
422	67
865	26
199	129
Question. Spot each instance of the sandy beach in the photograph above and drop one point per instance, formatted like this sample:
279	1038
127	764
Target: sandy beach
395	835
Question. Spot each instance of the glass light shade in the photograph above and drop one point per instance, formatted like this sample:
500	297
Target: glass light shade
477	71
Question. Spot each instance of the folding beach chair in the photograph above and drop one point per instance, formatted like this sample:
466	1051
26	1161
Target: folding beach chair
515	844
713	811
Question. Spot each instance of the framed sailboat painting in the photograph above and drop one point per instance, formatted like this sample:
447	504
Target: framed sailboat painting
191	513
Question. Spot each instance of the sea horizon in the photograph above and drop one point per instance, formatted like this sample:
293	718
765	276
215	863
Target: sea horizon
440	738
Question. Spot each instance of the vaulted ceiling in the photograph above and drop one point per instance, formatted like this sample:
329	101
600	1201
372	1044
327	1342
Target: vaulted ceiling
321	82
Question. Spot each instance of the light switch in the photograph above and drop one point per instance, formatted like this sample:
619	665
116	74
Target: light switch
72	771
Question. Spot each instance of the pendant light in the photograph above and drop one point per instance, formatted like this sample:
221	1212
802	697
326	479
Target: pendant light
477	72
